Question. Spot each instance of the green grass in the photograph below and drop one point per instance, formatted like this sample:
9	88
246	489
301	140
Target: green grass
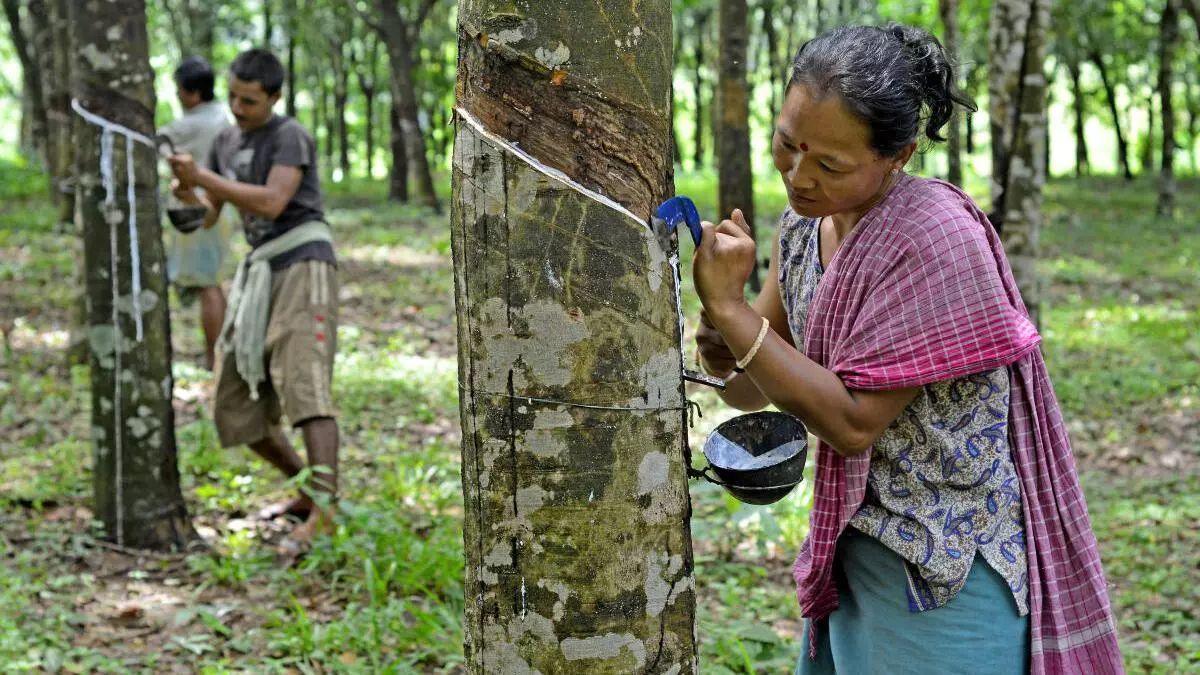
385	594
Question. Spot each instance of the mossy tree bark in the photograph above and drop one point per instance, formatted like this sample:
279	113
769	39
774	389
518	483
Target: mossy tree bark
1017	91
578	551
136	478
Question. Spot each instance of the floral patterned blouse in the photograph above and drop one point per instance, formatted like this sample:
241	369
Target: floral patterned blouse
941	485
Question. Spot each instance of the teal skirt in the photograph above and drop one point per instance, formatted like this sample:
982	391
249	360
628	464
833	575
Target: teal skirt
872	631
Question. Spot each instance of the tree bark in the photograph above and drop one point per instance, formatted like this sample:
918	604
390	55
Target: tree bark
367	84
735	177
1110	93
774	72
398	36
699	55
193	23
268	23
1166	79
292	26
949	13
330	121
1193	114
1147	151
1081	148
398	177
341	93
137	494
1017	87
577	544
31	77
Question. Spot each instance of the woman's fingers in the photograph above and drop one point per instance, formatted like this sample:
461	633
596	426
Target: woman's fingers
739	219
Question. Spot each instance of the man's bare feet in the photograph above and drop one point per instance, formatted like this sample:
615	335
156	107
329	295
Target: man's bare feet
320	521
299	508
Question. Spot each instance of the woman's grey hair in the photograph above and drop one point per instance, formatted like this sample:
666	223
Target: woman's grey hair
894	78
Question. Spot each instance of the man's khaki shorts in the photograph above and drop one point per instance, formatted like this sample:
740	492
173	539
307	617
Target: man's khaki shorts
300	346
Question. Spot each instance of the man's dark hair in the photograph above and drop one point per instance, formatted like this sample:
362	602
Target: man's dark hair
261	66
196	75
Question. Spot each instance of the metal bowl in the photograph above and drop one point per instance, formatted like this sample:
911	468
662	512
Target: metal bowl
759	458
187	219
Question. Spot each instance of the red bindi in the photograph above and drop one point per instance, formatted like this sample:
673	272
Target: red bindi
804	147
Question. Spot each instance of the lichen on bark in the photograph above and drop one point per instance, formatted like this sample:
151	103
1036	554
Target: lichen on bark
578	552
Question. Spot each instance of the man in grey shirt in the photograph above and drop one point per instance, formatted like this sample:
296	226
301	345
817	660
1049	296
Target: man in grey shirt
195	261
278	353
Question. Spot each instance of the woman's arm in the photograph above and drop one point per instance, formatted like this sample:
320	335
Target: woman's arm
741	392
850	421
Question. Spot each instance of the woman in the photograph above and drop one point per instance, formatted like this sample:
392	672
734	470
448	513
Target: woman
949	532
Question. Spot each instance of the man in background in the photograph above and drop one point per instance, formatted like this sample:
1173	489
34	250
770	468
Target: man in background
195	261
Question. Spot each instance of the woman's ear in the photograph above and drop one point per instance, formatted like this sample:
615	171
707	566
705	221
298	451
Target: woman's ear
902	158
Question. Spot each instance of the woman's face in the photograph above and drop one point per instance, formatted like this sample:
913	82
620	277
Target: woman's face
823	151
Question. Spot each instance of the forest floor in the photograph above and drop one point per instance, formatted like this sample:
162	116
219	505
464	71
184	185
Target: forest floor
384	595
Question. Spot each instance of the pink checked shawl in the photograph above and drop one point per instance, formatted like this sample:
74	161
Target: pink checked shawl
921	291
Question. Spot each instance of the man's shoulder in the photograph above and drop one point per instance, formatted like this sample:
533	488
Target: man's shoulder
291	127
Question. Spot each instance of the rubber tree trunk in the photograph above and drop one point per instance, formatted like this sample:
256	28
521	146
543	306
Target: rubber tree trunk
31	78
1166	80
341	94
699	55
1017	88
578	554
735	176
292	27
1147	151
775	73
268	23
136	479
398	37
398	176
949	13
1078	105
1110	94
368	84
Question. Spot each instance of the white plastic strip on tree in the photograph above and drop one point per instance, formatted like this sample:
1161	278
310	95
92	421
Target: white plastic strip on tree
562	177
108	179
107	174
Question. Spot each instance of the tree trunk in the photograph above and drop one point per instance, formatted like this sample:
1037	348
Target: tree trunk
330	122
578	551
136	478
969	131
735	176
774	73
1081	148
367	83
949	13
1018	95
268	23
31	77
1166	79
398	36
292	24
1147	151
699	40
398	177
341	92
1193	114
1110	93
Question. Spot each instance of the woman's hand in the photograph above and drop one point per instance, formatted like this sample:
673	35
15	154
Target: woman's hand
723	263
716	359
